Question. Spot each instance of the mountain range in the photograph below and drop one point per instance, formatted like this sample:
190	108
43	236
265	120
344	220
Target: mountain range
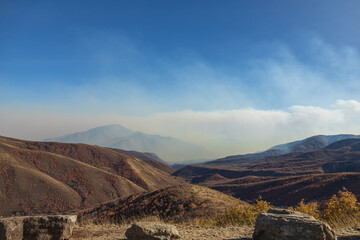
309	144
312	169
116	136
312	143
54	177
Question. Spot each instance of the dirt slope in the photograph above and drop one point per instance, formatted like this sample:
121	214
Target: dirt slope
41	177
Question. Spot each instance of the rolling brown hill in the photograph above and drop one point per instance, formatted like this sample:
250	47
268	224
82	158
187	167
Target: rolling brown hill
48	177
287	178
178	203
289	191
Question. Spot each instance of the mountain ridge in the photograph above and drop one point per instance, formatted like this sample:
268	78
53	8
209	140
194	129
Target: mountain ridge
312	143
293	176
309	144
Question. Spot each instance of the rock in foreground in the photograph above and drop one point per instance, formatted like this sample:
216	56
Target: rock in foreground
152	231
57	227
282	224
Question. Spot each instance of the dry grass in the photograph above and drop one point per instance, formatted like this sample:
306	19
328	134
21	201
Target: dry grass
238	215
180	203
340	211
107	229
187	232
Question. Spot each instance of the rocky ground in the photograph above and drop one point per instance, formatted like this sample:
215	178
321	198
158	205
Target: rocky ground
117	232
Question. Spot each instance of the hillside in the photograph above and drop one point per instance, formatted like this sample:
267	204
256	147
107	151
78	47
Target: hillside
43	177
288	191
284	179
116	136
245	159
310	144
177	203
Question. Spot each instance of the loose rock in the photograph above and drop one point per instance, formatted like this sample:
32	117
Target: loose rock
152	231
57	227
282	224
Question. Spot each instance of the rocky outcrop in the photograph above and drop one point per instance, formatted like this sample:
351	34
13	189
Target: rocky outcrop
57	227
152	231
282	224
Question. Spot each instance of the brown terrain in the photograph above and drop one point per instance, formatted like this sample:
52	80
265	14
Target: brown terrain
187	232
105	186
283	179
49	177
178	203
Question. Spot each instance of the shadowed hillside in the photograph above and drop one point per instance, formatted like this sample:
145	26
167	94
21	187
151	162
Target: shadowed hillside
288	191
284	179
42	177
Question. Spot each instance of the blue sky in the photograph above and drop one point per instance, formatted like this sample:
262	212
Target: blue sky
69	65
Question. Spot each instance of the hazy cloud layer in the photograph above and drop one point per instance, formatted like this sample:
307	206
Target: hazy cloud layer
223	132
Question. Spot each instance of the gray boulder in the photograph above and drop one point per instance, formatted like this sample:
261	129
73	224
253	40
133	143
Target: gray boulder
282	224
57	227
152	231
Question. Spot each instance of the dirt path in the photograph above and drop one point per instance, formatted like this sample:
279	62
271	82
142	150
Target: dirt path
117	232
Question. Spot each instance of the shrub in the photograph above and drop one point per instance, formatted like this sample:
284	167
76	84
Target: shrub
342	210
238	215
311	209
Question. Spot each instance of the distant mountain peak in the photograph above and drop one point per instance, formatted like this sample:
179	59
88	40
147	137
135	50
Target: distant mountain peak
117	136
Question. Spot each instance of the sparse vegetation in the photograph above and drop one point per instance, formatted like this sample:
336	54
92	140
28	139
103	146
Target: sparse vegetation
341	210
179	203
238	215
311	209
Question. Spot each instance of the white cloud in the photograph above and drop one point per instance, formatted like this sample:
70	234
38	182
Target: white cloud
247	130
317	75
349	106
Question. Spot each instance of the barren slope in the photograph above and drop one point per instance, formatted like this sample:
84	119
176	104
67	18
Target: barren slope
55	177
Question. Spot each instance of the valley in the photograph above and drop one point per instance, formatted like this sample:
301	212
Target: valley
109	185
285	178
